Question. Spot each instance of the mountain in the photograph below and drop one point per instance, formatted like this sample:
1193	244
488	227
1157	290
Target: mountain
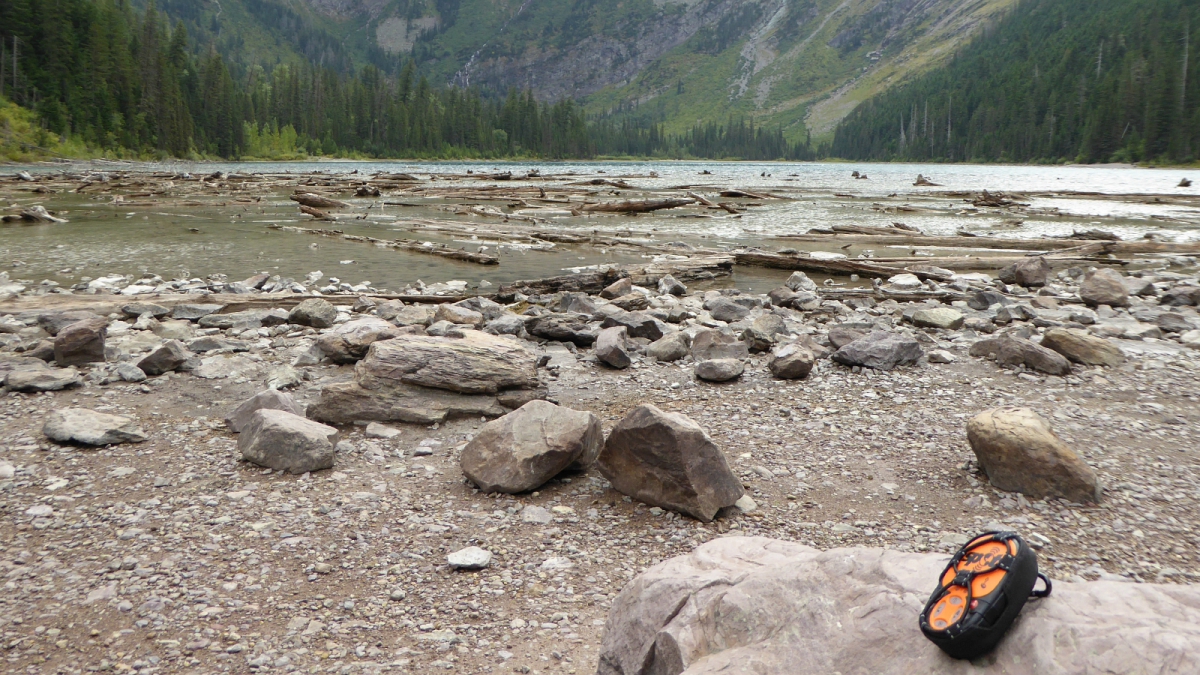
799	64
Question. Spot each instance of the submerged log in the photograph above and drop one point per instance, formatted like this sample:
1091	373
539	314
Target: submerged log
690	269
636	206
317	213
429	248
317	201
34	214
836	267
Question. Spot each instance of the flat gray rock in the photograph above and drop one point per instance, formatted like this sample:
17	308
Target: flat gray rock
270	399
476	363
42	379
79	425
769	607
720	370
880	350
285	442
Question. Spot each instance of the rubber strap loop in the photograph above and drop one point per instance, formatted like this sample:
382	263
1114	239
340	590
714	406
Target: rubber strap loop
1044	593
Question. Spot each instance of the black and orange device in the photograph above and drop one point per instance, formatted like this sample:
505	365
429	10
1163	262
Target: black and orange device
980	594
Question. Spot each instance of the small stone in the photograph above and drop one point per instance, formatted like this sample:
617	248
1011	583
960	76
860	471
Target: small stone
130	373
941	356
536	515
470	558
377	430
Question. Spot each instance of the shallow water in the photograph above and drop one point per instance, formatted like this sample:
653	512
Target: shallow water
232	238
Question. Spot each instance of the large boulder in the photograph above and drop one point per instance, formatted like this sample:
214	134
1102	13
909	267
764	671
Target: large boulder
1020	453
667	460
1010	351
315	312
79	425
476	363
529	446
715	344
270	399
880	350
348	402
1083	347
572	328
81	342
669	348
944	318
720	370
53	322
1104	287
639	324
611	348
166	358
769	607
348	343
724	309
458	314
279	440
1028	272
792	361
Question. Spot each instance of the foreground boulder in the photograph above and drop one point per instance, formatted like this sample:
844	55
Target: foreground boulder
1083	347
611	347
79	425
667	460
1020	453
477	363
1009	351
270	399
81	342
1104	287
529	446
282	441
348	343
880	350
170	356
769	607
313	312
791	361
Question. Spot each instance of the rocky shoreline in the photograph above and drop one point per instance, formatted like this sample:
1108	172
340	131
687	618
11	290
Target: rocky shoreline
139	539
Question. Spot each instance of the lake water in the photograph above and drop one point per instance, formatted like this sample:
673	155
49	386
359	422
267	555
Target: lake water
162	236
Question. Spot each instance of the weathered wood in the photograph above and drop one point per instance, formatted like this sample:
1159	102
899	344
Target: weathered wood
317	201
428	248
713	205
637	206
232	302
845	266
1095	247
690	269
317	213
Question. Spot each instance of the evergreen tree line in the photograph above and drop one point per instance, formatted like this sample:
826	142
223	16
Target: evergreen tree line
1054	80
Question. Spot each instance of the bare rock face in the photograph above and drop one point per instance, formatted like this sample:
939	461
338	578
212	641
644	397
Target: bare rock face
81	342
1083	347
314	312
667	460
791	361
880	350
1020	453
769	607
1028	272
529	446
270	399
166	358
280	440
348	343
1009	351
88	427
476	363
611	348
1104	287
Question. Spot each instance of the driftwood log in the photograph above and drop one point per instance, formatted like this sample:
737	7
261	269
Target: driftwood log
428	248
1079	247
690	269
637	206
317	201
803	263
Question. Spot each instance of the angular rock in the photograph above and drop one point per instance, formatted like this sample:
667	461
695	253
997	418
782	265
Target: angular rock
377	430
81	342
347	402
840	336
137	309
470	558
1020	453
880	350
1028	272
42	379
488	308
572	328
639	324
1189	339
725	309
53	322
617	289
173	330
905	282
610	347
574	303
389	309
982	300
768	607
764	332
193	312
1083	347
458	315
315	312
670	348
283	441
720	370
269	399
348	343
1104	287
212	343
791	361
667	460
505	324
130	373
799	281
283	377
714	344
1180	296
1009	351
1170	322
88	427
527	447
669	285
166	358
477	363
632	302
943	318
445	329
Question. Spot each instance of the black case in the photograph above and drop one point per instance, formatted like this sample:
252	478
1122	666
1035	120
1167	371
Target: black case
982	627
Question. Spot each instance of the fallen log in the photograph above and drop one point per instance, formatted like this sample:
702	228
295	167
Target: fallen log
33	214
317	213
784	261
634	206
690	269
429	248
746	194
1113	247
713	205
317	201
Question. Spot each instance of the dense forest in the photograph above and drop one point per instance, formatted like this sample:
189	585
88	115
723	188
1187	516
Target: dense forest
1053	81
127	83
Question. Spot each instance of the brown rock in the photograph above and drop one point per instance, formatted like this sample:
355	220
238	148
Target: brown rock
348	343
1020	453
476	363
1029	272
81	342
1083	347
1009	351
610	347
791	362
617	289
1104	287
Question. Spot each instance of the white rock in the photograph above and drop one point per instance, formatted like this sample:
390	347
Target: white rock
377	430
470	558
79	425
